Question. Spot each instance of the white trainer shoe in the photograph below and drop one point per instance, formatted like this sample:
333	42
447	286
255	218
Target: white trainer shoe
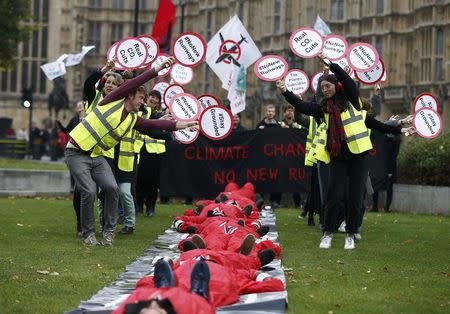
349	242
342	227
325	241
357	237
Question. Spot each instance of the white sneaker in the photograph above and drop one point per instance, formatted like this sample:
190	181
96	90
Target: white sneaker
342	227
349	242
325	241
357	237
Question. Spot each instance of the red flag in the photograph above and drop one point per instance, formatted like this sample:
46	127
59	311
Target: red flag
164	20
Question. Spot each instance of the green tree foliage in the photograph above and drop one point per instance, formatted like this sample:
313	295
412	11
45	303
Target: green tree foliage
425	162
12	29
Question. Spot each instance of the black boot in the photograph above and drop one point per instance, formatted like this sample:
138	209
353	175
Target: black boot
200	279
266	256
163	276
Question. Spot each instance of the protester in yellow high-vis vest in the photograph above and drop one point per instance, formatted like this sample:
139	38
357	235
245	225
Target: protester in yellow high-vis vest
151	154
344	145
102	129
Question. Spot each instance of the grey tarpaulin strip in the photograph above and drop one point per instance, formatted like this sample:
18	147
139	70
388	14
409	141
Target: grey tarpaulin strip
108	298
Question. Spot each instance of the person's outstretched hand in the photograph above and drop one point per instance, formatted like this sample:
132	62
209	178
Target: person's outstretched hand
281	86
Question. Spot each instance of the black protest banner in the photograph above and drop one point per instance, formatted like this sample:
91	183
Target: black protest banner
272	159
378	162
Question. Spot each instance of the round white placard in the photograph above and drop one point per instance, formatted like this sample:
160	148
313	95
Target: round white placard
172	90
152	48
426	100
189	49
216	122
362	57
160	59
315	81
343	63
306	42
111	53
297	81
373	76
208	100
428	123
161	87
185	136
334	47
270	68
184	107
181	74
131	53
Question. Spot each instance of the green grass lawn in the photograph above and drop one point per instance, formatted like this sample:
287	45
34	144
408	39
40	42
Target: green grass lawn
401	265
9	163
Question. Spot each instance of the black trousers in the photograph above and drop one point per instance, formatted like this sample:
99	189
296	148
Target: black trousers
355	172
313	203
148	178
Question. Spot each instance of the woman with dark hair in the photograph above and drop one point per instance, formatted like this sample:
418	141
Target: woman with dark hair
343	144
152	152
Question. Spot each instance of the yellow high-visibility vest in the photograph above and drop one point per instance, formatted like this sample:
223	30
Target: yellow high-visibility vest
309	139
102	128
356	132
88	107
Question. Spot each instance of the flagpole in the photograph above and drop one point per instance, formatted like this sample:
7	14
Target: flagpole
136	17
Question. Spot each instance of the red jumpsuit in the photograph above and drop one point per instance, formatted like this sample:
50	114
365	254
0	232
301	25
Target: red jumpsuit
225	285
183	302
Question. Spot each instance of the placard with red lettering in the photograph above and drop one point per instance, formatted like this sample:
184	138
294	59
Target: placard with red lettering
152	48
297	81
373	76
306	42
362	57
111	53
172	90
315	81
216	122
161	87
426	100
181	74
184	107
270	68
189	49
160	59
186	136
334	47
428	123
343	63
131	53
208	100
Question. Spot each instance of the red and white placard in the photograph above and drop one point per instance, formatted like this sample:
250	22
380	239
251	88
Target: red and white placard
297	81
189	49
373	76
160	59
186	136
426	100
161	87
306	42
428	123
362	57
315	81
334	47
172	90
384	77
343	63
184	107
270	68
208	100
152	48
111	53
181	75
131	53
216	122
